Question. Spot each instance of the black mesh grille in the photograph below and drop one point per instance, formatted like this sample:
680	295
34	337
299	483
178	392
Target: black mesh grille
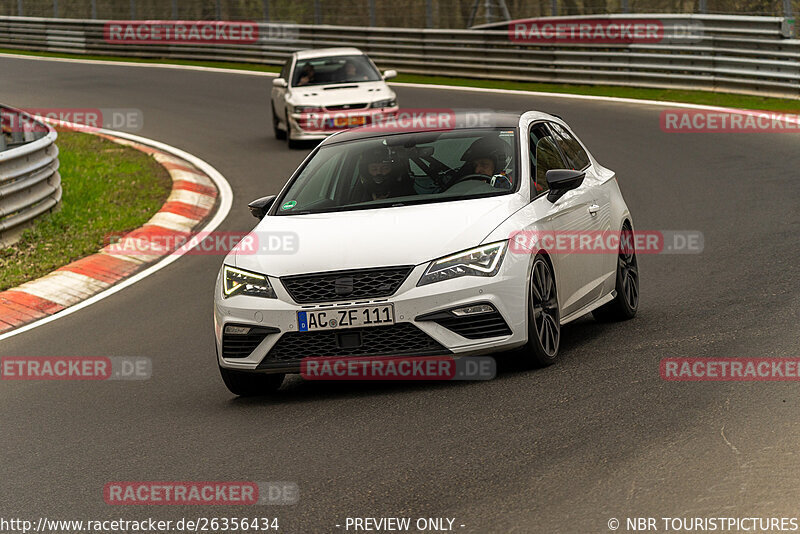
401	339
346	106
479	326
345	285
242	345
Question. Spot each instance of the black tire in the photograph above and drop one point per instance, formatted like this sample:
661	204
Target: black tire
279	134
289	141
247	384
544	327
626	303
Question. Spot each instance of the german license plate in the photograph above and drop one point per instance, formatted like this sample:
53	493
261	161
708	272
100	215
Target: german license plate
350	317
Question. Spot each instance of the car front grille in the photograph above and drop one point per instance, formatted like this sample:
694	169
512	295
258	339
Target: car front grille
401	339
345	285
346	107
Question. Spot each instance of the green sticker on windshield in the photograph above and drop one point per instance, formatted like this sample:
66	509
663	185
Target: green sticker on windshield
289	205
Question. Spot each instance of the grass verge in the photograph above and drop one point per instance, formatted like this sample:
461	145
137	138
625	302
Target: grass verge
670	95
106	188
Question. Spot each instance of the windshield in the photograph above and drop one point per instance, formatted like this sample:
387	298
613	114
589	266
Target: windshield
337	69
405	169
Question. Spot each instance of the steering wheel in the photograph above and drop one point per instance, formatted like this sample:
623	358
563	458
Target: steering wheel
468	177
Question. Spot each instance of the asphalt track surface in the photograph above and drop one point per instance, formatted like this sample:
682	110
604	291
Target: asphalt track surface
557	450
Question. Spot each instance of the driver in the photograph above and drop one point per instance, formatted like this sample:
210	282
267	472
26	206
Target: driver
487	156
380	176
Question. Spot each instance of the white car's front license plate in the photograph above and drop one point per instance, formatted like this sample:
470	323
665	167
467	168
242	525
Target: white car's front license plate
346	121
351	317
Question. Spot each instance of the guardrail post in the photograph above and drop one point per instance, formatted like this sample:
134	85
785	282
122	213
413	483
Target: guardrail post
55	9
701	6
317	12
218	10
266	10
174	9
20	12
554	8
625	8
94	9
16	133
372	13
429	13
2	135
13	122
28	133
787	8
133	9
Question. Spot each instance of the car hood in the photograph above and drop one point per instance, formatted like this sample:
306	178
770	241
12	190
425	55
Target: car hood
336	95
404	235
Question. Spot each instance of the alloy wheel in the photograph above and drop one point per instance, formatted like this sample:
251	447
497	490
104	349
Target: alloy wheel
545	307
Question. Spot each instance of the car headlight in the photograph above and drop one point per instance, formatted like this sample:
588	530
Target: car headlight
484	260
307	109
389	103
239	282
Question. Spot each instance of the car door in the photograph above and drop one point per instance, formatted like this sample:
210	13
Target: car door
578	158
578	274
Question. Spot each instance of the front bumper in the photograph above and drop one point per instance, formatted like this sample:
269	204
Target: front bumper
315	126
505	292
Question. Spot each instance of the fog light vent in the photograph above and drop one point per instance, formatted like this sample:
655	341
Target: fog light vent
237	330
473	310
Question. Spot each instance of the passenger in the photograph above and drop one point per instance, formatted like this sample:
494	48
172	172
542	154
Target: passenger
381	176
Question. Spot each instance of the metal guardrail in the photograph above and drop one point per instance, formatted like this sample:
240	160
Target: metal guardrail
30	184
414	13
751	55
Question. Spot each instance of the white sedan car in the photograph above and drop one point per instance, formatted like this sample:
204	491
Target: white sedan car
320	92
419	243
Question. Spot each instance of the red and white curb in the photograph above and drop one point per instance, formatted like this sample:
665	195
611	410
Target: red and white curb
196	189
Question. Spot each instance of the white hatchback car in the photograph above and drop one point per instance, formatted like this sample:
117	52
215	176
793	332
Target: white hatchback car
408	246
320	92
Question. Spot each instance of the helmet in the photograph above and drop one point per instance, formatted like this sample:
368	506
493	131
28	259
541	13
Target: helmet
375	162
489	147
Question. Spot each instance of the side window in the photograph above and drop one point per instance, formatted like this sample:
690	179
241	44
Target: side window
285	70
544	156
576	156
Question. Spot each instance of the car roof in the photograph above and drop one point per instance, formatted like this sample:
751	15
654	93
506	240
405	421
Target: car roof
462	120
327	52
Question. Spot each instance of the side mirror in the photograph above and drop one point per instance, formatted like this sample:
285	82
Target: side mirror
389	74
562	180
279	82
260	207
